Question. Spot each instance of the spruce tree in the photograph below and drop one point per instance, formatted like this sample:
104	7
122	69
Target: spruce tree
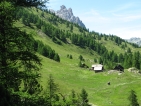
80	64
133	99
81	58
18	61
74	98
84	98
71	27
136	60
56	57
16	52
52	89
70	56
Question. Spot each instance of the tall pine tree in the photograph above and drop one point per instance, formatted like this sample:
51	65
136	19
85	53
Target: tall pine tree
18	61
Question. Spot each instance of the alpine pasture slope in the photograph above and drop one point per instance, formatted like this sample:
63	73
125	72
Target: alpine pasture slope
68	75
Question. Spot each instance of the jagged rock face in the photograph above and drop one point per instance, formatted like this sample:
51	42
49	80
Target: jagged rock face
135	40
67	14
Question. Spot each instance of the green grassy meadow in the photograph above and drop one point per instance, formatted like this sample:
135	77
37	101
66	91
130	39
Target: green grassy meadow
69	76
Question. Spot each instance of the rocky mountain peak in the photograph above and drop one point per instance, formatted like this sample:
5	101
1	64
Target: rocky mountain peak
70	11
67	14
63	7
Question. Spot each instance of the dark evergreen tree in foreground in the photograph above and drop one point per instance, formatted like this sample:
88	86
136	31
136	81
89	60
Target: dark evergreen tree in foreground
5	99
16	52
18	61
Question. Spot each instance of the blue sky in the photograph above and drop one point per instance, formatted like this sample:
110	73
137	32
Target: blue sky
117	17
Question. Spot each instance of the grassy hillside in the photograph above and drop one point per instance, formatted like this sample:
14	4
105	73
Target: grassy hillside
69	76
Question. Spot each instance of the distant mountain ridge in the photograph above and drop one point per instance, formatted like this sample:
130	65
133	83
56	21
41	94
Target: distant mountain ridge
135	40
67	14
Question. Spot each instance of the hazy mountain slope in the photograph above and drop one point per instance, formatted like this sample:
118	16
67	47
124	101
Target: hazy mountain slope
135	40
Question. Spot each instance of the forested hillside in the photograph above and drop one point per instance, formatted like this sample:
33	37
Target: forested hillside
110	48
45	61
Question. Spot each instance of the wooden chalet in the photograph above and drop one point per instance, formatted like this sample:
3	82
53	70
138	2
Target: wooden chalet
119	68
97	68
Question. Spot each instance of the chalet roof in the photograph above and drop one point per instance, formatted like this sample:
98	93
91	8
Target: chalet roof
98	68
97	65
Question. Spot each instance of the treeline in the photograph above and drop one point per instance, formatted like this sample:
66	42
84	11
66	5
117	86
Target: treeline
128	59
45	50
